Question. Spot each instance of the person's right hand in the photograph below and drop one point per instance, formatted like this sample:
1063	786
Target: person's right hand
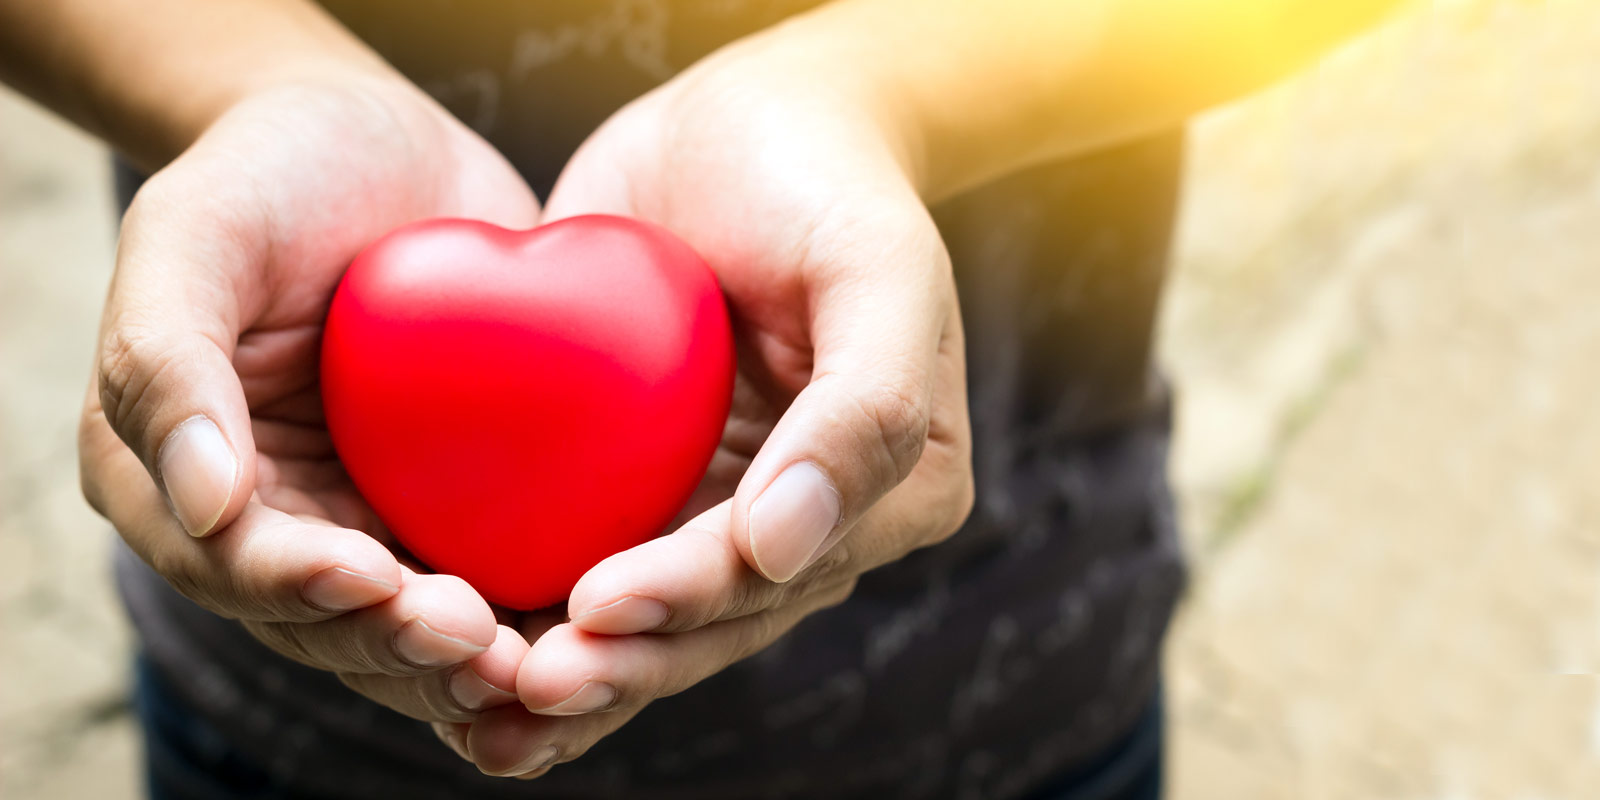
202	439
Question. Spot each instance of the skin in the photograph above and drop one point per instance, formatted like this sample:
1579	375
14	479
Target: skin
226	324
799	162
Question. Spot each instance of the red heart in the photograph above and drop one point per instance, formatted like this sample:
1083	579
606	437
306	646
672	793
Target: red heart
518	405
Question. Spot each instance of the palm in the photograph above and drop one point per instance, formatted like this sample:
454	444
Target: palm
228	260
848	401
773	365
773	230
296	469
351	177
755	227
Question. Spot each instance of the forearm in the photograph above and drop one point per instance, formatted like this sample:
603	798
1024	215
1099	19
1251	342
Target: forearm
977	90
149	76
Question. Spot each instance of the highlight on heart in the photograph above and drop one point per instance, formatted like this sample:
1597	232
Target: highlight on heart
490	392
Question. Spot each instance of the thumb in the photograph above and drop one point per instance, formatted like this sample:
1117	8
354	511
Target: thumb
165	373
860	425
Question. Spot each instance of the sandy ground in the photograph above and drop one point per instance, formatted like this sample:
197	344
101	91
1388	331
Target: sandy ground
64	727
1383	324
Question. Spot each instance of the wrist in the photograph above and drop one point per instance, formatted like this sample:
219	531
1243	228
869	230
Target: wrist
969	92
844	105
166	131
149	76
859	62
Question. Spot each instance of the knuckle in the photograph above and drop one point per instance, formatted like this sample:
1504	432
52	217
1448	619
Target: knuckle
900	420
116	367
130	365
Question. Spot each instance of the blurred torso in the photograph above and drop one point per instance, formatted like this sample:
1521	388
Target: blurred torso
983	666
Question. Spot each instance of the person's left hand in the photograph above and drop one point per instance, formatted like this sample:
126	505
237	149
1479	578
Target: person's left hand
848	445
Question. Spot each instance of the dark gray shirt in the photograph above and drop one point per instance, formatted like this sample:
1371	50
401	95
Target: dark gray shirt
981	667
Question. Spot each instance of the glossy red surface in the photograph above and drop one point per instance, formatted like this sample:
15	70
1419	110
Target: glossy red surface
518	405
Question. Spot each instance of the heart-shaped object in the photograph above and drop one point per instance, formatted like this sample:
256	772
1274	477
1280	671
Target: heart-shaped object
518	405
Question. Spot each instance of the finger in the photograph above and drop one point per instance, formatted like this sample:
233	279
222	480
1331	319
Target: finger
165	376
571	671
434	621
934	501
587	686
267	565
450	695
679	582
696	575
508	741
880	314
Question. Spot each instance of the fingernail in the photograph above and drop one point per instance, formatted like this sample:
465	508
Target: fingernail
339	589
473	693
590	697
540	758
199	470
791	519
422	646
631	614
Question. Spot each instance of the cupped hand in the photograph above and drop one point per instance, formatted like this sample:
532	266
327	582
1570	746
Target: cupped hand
848	444
202	439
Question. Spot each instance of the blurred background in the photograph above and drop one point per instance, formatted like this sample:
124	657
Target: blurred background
1385	327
